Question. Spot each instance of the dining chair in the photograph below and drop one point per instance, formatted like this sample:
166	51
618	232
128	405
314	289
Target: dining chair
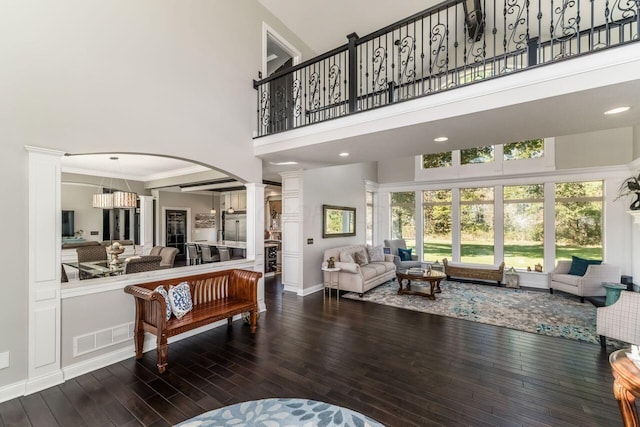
192	254
88	254
144	263
207	254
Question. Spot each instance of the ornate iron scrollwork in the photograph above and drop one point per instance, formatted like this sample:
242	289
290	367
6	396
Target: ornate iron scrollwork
297	102
406	53
335	95
379	69
515	40
314	91
265	104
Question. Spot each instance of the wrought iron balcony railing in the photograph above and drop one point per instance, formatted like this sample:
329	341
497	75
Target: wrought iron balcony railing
456	43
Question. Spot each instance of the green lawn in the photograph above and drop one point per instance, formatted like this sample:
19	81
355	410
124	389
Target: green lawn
517	255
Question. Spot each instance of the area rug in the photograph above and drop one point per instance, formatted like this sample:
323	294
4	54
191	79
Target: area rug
281	412
558	315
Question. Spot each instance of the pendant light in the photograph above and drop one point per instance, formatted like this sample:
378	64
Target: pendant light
213	209
116	199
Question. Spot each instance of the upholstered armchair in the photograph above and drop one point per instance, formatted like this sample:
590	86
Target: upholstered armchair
168	256
401	244
620	320
590	284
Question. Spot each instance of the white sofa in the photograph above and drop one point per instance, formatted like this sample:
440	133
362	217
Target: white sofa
589	285
359	278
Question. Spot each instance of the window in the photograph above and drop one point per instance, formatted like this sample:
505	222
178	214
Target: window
476	155
579	220
530	149
369	218
403	224
523	225
437	224
476	225
437	160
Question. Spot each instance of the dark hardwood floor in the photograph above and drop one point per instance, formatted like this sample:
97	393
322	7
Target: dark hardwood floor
400	367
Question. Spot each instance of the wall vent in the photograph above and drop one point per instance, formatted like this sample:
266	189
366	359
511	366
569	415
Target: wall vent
83	344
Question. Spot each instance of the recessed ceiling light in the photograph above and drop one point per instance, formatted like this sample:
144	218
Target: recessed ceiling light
441	139
617	110
345	154
283	163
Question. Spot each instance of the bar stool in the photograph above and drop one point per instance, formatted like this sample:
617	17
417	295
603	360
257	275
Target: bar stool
192	254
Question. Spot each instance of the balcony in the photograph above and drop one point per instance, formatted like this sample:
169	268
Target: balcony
455	44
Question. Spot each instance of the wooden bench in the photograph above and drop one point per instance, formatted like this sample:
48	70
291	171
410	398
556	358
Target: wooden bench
470	272
216	296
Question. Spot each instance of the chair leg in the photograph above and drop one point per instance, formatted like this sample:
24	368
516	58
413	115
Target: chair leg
603	341
253	321
163	353
551	291
582	300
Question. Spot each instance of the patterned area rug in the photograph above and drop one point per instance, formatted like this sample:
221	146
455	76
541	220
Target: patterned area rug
558	315
281	412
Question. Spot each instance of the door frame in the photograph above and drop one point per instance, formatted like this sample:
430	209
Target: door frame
267	31
163	221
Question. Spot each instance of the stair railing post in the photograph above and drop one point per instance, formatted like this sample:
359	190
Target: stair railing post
353	73
532	49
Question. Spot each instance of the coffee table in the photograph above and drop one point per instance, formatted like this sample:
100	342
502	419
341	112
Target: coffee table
421	282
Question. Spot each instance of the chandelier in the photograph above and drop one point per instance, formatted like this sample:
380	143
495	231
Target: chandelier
116	199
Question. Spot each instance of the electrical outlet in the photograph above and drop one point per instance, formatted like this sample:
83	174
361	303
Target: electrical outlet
4	360
309	241
95	233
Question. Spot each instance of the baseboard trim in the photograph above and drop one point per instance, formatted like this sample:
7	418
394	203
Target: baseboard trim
312	289
42	382
98	362
12	391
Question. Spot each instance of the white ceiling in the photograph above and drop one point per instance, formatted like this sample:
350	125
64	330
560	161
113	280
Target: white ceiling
324	25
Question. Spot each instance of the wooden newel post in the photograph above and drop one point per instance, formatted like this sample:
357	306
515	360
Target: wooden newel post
353	73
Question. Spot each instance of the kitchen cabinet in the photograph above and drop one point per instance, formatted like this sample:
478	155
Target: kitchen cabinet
235	199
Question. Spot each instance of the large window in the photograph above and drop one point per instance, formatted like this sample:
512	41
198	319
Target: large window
579	220
476	225
403	224
437	224
369	218
523	226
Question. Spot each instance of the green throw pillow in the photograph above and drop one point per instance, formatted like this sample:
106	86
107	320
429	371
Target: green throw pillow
404	254
579	266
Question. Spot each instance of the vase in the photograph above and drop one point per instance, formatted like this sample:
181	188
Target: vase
636	203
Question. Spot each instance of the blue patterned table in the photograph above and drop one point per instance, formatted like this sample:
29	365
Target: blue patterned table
281	412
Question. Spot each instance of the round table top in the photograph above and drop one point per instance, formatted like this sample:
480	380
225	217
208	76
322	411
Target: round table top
614	286
425	275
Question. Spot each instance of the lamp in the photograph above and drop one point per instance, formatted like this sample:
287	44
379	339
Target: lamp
213	209
116	199
231	210
473	19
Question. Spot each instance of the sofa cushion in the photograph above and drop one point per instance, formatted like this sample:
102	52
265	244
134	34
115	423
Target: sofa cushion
369	271
180	299
346	256
376	253
404	254
379	267
388	265
579	265
569	279
162	291
361	257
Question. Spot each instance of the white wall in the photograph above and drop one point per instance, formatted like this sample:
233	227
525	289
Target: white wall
150	76
338	186
601	148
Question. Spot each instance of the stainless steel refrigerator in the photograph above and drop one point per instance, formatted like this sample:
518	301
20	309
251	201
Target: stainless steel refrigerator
235	226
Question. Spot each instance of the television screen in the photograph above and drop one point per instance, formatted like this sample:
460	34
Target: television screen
67	224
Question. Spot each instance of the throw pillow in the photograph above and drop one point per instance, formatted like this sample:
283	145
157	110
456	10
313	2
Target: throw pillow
180	299
361	257
405	254
376	253
162	291
579	265
346	256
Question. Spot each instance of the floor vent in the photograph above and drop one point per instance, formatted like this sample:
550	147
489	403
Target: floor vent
97	340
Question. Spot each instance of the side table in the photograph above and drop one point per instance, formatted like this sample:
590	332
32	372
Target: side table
613	292
331	282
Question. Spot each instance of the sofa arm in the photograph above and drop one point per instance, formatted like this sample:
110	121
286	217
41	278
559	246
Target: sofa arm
562	267
620	320
154	314
349	267
598	274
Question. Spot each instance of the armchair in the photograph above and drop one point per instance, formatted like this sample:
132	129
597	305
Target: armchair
401	244
620	320
583	286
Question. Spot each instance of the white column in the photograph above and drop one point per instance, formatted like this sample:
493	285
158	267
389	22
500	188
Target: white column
383	211
549	221
146	224
45	235
498	222
419	222
456	234
292	257
255	233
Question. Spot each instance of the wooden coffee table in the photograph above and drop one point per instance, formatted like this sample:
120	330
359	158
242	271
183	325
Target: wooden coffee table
420	283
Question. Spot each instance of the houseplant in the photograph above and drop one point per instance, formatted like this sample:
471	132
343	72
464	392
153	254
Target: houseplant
630	186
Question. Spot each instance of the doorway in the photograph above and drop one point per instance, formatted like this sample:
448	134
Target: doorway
176	226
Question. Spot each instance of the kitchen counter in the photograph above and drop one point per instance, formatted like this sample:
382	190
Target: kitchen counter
225	243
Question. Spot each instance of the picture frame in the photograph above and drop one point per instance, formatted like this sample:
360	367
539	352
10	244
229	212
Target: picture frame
386	250
338	221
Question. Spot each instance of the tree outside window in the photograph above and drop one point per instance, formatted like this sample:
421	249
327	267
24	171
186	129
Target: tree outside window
476	155
437	160
579	208
477	225
403	224
437	224
523	225
529	149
